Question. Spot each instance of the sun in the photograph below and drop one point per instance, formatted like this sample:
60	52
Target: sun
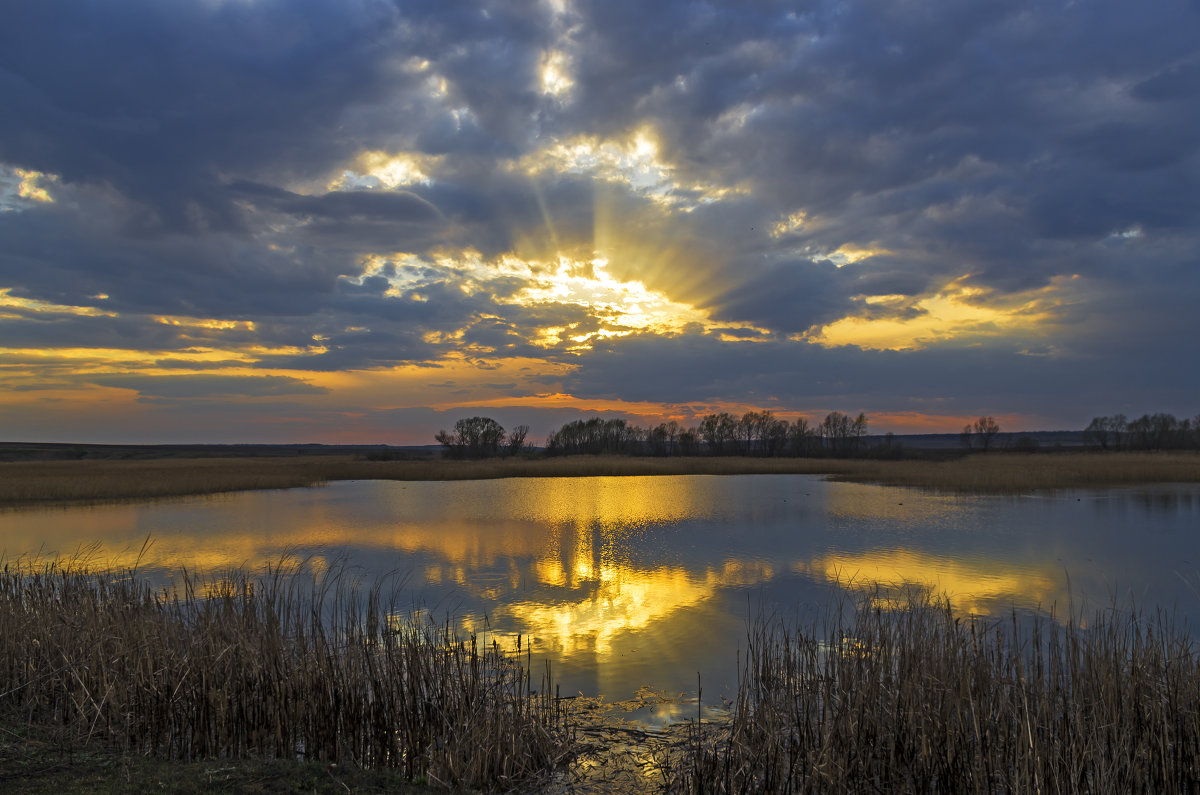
620	307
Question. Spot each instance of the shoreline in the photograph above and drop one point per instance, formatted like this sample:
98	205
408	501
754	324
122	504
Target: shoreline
73	482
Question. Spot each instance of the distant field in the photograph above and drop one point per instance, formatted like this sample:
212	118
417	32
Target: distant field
42	482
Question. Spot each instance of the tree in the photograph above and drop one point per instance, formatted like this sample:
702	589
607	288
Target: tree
662	438
777	437
594	436
516	440
1107	432
756	428
800	437
858	430
719	432
473	437
1097	432
836	430
986	429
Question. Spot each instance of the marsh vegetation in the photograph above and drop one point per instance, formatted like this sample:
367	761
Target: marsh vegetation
910	698
895	692
42	482
278	666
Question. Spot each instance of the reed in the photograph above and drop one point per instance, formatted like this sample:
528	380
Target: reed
34	482
267	667
915	700
1018	472
59	482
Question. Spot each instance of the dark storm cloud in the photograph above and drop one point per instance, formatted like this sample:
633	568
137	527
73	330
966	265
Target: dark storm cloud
160	100
342	207
997	378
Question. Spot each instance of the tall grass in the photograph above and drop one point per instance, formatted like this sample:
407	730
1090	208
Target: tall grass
1016	472
41	482
916	700
33	482
267	667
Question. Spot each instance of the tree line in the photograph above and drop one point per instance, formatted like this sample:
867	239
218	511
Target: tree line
1159	431
755	433
761	433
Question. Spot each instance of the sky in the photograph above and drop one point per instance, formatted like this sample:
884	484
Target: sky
356	221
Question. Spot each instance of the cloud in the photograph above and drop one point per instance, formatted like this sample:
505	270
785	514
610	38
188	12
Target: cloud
321	186
208	386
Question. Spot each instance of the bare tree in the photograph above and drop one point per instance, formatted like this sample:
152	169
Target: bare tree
836	431
858	430
473	437
516	440
986	429
800	437
719	432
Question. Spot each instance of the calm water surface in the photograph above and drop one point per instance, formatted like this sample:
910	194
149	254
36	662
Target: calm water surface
647	581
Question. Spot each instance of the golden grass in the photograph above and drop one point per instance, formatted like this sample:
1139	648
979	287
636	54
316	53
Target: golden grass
1016	472
95	481
269	668
41	482
917	700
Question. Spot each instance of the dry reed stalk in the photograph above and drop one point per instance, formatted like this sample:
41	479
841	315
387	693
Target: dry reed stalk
917	700
269	667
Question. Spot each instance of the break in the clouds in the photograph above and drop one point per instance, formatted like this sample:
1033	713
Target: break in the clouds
321	220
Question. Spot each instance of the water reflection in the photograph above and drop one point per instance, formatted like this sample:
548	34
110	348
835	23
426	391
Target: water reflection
974	586
626	582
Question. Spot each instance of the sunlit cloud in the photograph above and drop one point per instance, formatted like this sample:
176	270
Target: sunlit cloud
556	75
634	160
793	222
22	188
379	169
31	305
33	186
623	307
958	312
611	307
210	324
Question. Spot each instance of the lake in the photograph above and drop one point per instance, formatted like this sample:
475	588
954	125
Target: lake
649	581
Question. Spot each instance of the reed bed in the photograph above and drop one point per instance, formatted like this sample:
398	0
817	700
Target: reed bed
34	482
59	482
915	700
578	466
1018	472
268	667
